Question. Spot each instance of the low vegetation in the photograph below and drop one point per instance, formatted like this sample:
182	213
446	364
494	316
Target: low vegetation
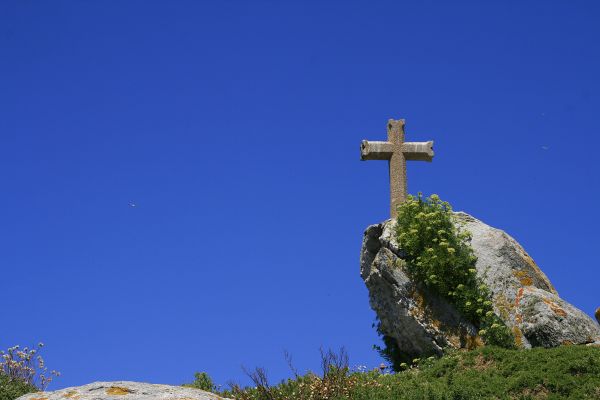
568	372
12	388
202	381
23	371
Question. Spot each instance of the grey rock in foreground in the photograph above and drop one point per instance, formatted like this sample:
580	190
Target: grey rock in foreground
423	323
123	390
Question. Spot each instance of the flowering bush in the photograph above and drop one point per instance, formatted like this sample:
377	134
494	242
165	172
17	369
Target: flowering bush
20	366
438	254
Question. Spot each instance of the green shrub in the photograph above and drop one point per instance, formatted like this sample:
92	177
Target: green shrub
202	381
438	255
10	389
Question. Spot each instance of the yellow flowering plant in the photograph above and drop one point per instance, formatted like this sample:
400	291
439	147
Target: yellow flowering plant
439	255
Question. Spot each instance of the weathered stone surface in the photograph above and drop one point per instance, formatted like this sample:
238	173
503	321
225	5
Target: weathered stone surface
423	323
123	390
420	321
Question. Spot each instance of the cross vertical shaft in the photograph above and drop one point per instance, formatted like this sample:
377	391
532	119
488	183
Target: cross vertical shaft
397	165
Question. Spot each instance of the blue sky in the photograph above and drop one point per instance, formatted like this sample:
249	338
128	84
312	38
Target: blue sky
234	129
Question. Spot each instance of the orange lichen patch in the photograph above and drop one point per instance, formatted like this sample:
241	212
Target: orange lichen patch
523	277
567	343
518	316
537	271
555	308
71	395
518	336
560	311
40	398
526	281
518	298
117	391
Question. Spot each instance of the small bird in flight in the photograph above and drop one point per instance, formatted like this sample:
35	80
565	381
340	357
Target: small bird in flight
132	204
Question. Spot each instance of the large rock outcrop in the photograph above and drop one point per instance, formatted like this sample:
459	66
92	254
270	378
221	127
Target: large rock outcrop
423	323
123	390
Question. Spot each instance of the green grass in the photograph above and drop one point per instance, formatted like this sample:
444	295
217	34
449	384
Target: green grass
568	372
494	373
11	389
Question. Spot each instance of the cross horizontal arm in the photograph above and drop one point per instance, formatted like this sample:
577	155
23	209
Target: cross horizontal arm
418	151
375	150
413	151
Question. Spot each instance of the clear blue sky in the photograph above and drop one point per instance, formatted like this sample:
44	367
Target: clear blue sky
234	128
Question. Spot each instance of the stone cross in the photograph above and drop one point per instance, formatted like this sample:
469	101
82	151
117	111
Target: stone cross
396	151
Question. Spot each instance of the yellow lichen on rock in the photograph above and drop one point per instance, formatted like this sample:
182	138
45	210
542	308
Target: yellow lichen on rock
71	395
523	277
535	269
528	259
117	391
518	336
